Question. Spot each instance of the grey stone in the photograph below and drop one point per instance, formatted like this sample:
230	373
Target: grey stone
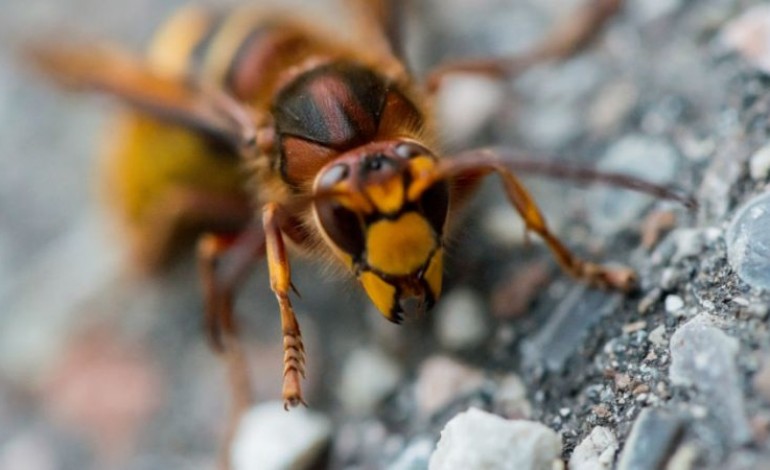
581	309
653	438
703	357
415	457
477	439
658	336
748	241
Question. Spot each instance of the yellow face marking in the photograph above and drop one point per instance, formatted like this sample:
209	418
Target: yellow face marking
419	168
381	293
399	247
387	196
434	274
173	44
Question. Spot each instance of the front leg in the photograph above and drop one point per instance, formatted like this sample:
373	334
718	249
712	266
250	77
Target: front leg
280	282
469	168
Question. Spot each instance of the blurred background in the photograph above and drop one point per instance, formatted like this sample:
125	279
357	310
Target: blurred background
99	369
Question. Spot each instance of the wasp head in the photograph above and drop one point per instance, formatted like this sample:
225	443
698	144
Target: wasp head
384	224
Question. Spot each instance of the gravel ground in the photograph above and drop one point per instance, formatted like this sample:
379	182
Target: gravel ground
101	370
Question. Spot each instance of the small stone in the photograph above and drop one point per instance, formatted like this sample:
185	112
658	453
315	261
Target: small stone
658	336
669	278
654	225
595	452
440	380
684	458
748	242
641	389
673	303
511	398
460	320
740	301
653	437
759	164
612	105
703	357
601	411
465	104
644	157
477	439
622	381
368	376
634	327
504	226
651	356
662	389
269	438
749	34
649	300
688	242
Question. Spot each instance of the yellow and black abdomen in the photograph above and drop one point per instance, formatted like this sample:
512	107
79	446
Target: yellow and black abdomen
167	182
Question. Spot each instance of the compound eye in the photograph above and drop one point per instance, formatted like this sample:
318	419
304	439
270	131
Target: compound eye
342	226
333	176
407	150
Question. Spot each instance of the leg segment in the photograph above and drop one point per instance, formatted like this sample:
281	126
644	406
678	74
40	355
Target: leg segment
470	167
223	263
568	37
280	282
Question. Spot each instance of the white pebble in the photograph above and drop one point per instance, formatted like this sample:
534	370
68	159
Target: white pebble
368	376
674	303
477	439
460	321
595	452
759	165
658	336
271	438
